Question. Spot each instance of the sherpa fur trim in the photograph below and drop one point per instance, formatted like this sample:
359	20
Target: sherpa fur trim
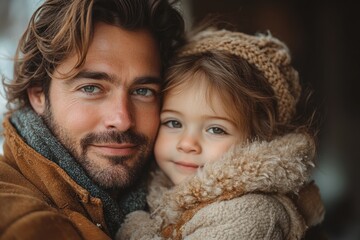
282	165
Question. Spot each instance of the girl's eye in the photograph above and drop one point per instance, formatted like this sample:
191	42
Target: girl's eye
217	130
173	124
91	89
144	92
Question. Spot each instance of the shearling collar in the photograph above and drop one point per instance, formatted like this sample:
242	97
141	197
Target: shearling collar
282	165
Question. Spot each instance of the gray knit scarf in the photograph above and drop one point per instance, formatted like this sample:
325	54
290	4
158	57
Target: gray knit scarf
36	134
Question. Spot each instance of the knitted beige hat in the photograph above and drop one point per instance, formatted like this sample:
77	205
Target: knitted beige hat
265	52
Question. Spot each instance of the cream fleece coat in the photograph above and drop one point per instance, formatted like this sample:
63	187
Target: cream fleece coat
253	192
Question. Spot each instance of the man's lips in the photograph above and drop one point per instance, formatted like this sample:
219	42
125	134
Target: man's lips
117	149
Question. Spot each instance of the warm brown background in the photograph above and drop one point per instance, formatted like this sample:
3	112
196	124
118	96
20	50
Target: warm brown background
324	39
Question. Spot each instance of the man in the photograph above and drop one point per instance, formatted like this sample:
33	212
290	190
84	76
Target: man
84	105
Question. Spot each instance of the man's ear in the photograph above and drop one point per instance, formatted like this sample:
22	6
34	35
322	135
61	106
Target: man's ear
37	99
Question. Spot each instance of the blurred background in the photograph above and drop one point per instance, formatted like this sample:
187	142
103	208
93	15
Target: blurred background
324	40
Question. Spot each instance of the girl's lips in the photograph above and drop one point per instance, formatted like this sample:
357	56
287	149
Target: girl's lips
187	165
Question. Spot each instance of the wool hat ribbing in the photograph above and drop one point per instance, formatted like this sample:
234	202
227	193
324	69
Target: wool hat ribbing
268	54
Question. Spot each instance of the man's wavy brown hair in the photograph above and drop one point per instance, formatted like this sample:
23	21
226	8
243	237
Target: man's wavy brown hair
59	28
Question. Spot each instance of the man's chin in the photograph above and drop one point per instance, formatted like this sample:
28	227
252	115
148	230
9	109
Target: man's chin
113	172
116	176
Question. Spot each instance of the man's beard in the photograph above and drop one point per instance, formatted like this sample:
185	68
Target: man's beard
118	174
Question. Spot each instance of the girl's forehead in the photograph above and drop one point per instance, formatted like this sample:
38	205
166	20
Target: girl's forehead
200	90
200	87
187	81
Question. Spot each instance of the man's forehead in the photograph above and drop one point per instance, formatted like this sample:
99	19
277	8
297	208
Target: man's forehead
115	52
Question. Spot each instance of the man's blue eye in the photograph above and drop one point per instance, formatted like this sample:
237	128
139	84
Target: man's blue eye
144	92
90	89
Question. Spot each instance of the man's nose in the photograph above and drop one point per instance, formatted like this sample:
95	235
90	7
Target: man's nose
119	113
189	143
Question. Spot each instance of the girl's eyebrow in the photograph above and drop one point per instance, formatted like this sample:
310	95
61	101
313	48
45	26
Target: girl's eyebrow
204	116
98	75
219	118
169	110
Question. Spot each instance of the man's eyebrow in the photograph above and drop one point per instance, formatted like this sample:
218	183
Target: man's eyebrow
147	80
95	75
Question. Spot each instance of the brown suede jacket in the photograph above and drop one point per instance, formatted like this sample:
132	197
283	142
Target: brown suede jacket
38	200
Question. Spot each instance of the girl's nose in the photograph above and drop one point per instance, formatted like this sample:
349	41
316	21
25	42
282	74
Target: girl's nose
189	143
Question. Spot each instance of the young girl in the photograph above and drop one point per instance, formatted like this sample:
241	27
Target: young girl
234	165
